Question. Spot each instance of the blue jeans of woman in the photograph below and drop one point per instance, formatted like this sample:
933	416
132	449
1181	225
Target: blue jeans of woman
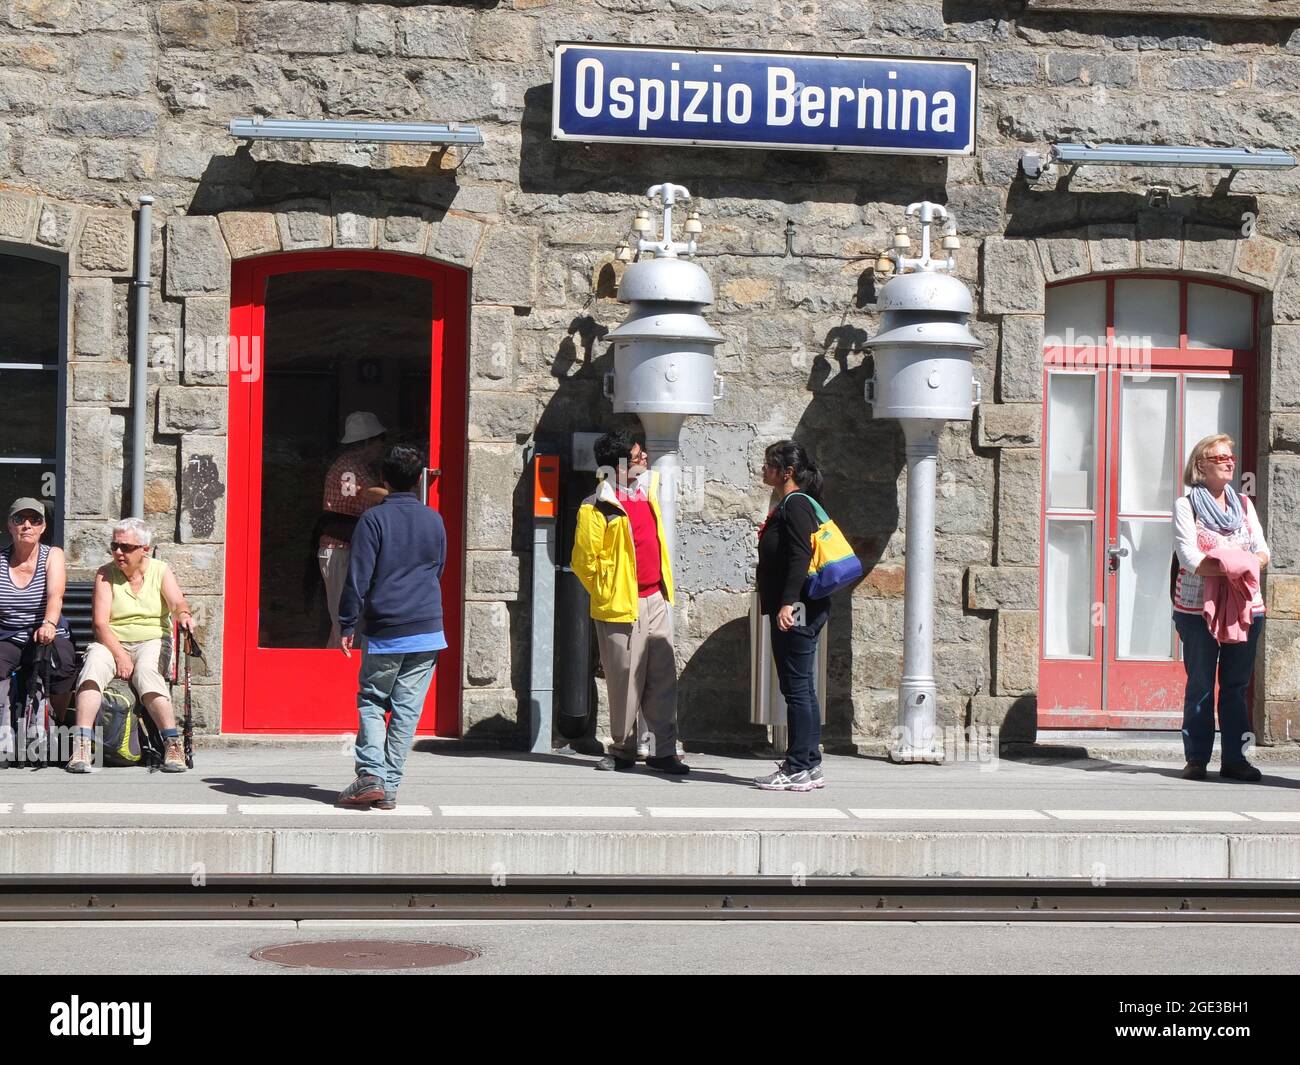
795	652
1203	658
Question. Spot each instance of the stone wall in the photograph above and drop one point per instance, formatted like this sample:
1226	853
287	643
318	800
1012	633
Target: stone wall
104	100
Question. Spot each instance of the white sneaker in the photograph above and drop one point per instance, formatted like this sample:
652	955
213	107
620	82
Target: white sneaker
783	780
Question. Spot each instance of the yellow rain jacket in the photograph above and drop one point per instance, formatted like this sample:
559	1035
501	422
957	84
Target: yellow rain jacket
603	555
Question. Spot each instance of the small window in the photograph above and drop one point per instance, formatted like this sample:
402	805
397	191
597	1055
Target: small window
31	383
1076	316
1218	317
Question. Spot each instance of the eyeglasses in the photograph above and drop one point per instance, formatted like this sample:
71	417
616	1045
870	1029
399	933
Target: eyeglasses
126	549
1221	460
19	520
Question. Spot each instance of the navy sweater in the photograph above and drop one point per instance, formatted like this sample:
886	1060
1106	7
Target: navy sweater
398	551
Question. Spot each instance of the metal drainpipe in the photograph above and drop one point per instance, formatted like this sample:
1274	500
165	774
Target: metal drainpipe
140	369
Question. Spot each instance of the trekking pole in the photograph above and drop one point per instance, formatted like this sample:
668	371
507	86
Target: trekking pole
192	650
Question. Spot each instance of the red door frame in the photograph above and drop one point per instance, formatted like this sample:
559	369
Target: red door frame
1107	369
332	681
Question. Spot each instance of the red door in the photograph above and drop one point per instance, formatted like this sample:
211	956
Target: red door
1137	370
321	336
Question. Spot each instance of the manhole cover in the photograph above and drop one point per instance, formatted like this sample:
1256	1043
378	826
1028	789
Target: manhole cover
365	954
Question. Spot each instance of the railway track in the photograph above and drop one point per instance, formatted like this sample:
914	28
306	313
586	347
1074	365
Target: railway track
435	898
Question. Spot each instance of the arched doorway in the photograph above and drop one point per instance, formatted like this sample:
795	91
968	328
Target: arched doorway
315	338
1136	370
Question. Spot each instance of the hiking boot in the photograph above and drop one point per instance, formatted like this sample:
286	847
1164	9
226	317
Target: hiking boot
612	761
388	802
784	780
1194	771
1242	770
79	760
668	764
173	756
816	777
363	791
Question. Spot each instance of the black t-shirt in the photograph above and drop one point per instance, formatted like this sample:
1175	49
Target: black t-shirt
784	554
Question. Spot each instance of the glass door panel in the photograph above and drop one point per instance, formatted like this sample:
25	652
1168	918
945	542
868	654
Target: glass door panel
1067	590
1145	627
1212	405
1071	440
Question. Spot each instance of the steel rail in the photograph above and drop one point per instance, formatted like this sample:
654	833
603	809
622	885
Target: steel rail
281	897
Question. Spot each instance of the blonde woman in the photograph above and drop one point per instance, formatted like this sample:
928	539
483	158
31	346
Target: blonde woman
134	597
1212	523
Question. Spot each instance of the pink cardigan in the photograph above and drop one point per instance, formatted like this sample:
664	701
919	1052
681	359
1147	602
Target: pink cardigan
1227	608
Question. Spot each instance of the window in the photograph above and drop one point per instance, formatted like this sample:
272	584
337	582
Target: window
32	315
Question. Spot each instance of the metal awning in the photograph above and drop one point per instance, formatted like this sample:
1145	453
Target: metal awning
295	129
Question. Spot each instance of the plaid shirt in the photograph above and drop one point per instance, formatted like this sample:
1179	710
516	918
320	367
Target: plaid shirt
345	485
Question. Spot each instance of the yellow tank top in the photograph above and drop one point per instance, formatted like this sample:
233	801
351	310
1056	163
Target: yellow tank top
142	615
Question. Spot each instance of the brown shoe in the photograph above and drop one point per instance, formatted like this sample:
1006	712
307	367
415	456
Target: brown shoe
80	759
173	756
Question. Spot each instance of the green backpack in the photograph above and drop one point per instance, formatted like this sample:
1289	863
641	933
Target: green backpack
127	733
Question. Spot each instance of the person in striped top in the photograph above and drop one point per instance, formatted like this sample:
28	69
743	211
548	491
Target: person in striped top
33	577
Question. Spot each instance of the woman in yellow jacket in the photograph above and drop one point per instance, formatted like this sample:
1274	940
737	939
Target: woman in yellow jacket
620	555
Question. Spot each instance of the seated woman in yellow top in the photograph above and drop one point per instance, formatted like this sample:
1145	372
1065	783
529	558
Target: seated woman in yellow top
135	595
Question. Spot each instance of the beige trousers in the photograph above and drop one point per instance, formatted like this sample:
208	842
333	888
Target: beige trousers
641	675
333	563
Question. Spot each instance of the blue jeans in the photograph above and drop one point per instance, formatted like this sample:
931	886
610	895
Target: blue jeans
396	684
1203	657
795	652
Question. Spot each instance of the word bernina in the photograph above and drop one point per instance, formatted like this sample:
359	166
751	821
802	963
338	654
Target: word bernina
764	99
102	1018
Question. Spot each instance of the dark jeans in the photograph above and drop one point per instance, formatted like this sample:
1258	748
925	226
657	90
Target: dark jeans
795	652
1203	656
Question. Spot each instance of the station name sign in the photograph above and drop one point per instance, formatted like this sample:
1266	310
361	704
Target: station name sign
800	101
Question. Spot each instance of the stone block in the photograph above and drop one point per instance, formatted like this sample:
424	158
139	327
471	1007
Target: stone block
496	415
1064	256
884	580
198	24
1009	424
93	318
489	712
1258	260
1198	73
249	233
1282	721
1019	501
297	28
1282	343
1282	660
182	409
1283	504
404	230
1208	250
57	226
506	269
1286	295
354	220
1283	595
105	245
1160	240
199	568
206	340
1005	67
105	118
494	574
1286	433
115	67
50	16
494	472
425	33
102	386
1020	358
487	644
18	214
203	489
505	37
1015	655
305	224
198	262
375	29
159	496
1001	588
1012	277
492	346
456	239
1077	68
1113	247
94	461
1015	718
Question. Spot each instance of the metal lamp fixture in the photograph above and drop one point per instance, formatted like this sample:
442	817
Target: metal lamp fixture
1034	164
293	129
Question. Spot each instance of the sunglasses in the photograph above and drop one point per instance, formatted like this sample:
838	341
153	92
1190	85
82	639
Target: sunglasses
22	520
126	549
1221	460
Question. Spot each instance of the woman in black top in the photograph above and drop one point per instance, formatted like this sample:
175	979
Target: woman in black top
784	554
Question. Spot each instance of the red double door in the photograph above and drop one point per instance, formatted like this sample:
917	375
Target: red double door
316	337
1137	370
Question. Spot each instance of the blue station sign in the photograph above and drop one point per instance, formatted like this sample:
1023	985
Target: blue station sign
794	100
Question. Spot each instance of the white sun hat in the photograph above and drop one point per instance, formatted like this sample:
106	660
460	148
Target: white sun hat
361	425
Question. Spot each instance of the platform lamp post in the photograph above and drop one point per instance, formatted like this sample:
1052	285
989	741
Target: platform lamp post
663	352
924	378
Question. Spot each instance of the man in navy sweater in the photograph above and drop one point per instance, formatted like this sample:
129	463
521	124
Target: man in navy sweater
399	549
